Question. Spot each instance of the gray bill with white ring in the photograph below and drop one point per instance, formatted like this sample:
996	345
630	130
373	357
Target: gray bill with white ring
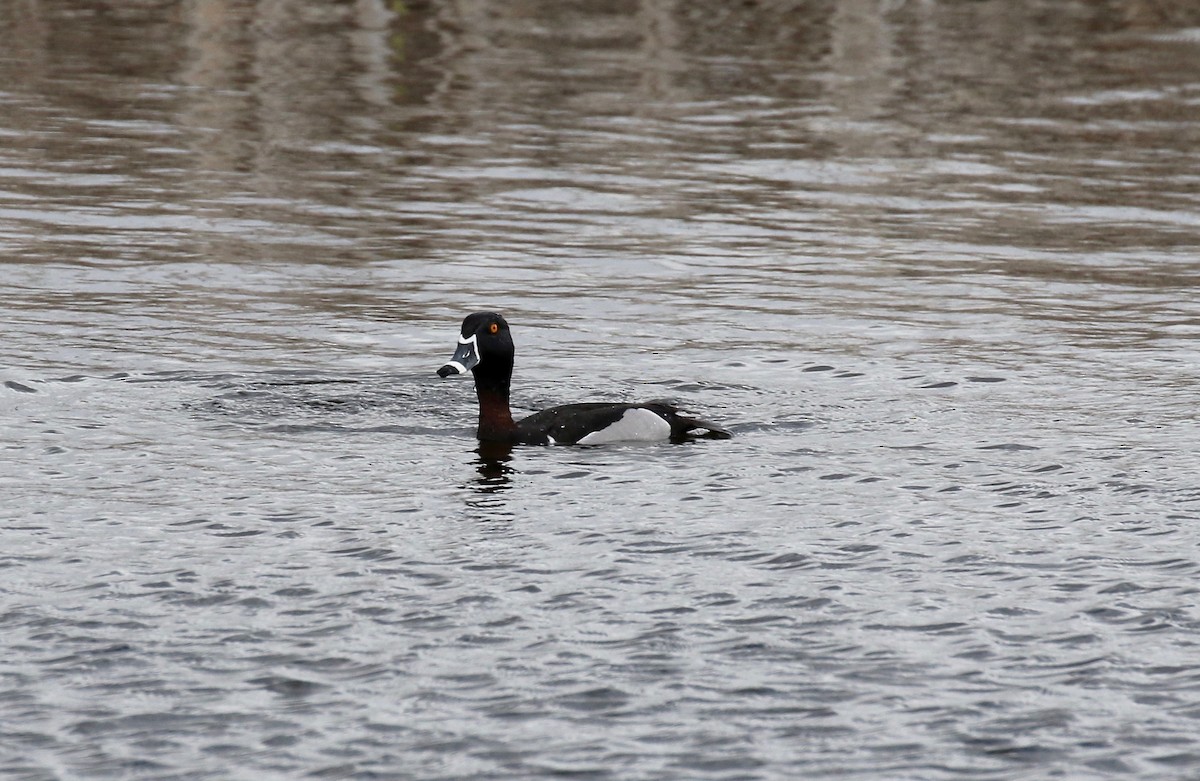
465	357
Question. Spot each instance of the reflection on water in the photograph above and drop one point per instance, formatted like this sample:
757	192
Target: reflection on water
933	261
493	466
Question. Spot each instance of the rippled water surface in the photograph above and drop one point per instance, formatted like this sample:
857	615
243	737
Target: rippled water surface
933	263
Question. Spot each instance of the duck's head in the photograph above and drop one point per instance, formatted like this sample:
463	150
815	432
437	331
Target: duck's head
485	345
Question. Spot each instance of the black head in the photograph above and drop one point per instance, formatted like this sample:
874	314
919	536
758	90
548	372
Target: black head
485	347
484	323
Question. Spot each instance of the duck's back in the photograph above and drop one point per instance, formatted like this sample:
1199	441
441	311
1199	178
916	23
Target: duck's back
595	423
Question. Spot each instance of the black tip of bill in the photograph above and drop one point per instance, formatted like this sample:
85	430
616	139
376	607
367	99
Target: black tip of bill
447	370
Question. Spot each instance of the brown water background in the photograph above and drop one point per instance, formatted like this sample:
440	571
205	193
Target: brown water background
934	263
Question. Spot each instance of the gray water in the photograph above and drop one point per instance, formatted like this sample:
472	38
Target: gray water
933	263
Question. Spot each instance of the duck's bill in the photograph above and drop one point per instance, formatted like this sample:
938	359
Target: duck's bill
465	358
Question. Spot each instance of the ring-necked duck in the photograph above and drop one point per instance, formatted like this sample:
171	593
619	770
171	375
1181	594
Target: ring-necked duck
486	349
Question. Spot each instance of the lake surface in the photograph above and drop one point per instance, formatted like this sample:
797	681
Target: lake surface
933	263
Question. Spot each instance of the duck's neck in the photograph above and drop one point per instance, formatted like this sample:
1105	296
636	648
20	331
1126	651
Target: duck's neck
495	418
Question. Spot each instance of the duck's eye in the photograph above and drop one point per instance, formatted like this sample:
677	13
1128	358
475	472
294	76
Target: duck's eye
494	328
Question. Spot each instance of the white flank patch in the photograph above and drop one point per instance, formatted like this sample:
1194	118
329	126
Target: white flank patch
636	425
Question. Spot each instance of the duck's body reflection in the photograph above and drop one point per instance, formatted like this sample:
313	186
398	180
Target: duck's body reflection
492	465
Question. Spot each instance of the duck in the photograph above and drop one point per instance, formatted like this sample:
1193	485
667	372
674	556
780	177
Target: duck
485	348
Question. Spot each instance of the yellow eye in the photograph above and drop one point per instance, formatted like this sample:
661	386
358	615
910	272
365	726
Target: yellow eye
494	328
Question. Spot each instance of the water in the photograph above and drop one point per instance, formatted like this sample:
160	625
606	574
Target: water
932	263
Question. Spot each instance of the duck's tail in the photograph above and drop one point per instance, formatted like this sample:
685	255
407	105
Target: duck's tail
686	426
697	428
